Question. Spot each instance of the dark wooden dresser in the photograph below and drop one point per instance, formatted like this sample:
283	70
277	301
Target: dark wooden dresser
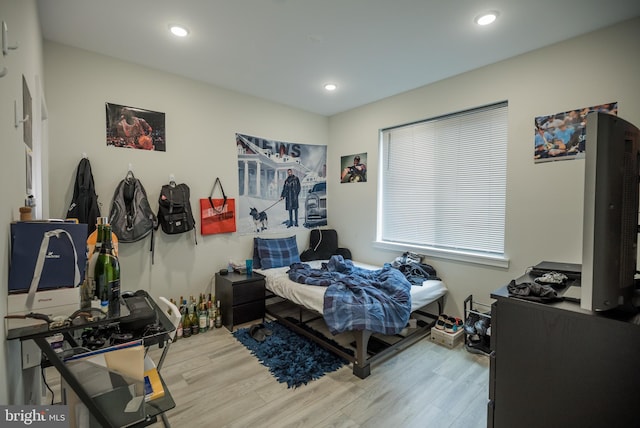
241	298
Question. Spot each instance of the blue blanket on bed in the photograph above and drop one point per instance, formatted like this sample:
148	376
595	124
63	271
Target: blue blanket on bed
357	298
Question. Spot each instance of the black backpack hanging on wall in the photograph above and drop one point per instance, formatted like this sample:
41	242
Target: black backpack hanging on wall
84	204
174	209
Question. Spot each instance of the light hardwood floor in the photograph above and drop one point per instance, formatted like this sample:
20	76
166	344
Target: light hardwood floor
217	383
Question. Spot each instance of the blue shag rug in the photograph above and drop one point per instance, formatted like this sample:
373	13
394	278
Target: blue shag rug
291	358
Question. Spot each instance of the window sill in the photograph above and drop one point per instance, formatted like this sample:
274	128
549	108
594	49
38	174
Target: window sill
482	259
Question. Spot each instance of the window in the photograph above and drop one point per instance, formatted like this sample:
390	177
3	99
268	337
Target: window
443	185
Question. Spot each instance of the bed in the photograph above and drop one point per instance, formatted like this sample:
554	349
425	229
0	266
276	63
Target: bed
310	300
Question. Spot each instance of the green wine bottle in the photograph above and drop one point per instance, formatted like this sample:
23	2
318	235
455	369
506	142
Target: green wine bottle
186	321
107	276
193	317
93	258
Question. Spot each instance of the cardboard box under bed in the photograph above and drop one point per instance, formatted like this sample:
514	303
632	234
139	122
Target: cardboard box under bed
450	340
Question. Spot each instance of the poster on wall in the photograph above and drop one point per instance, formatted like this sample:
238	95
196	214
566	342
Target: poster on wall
282	185
353	168
135	128
562	136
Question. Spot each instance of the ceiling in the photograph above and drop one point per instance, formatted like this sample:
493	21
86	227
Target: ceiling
286	50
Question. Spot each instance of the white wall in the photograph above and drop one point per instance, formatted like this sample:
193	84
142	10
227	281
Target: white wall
24	30
201	122
544	201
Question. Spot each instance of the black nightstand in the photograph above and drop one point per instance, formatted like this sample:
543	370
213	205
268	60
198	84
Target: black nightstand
241	298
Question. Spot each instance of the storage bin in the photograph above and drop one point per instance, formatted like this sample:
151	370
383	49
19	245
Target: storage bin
450	340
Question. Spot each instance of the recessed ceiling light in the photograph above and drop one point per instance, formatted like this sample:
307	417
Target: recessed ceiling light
486	18
330	86
178	30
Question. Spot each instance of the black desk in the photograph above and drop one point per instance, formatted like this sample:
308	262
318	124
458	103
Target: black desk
558	365
38	331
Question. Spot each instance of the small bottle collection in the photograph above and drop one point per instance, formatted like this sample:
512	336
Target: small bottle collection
101	286
198	316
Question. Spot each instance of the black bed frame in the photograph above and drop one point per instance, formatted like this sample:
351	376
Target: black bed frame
361	360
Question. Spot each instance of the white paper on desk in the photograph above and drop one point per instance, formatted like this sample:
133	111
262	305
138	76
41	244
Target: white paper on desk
128	362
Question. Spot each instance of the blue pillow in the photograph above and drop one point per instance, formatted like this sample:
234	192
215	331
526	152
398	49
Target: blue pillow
279	252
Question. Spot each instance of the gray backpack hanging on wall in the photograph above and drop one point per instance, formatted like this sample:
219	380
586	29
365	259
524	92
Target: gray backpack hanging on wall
131	217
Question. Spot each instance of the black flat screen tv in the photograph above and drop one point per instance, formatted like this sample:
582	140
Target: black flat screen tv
610	228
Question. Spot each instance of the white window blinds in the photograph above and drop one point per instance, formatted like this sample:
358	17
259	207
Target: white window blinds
443	182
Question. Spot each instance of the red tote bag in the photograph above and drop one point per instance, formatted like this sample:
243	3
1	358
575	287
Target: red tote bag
217	215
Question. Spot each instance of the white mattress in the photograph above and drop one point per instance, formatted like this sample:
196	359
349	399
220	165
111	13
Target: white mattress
312	296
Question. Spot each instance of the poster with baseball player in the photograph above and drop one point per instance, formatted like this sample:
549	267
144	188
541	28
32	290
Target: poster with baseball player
562	136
